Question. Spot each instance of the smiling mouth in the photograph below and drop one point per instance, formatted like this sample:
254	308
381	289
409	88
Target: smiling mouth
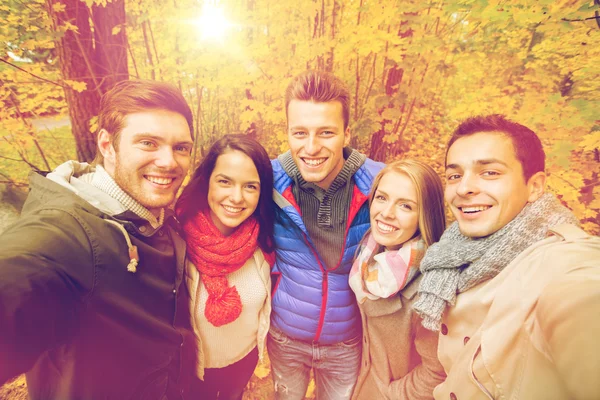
385	228
474	209
158	180
314	162
232	210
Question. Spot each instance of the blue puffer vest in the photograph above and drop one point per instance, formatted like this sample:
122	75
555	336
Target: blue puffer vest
311	303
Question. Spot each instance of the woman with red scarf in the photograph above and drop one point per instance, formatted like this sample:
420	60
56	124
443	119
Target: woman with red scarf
227	216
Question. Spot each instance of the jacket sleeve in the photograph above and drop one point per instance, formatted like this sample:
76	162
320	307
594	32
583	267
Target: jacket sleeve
568	316
46	269
421	380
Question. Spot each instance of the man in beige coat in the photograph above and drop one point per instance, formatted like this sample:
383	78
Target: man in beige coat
513	286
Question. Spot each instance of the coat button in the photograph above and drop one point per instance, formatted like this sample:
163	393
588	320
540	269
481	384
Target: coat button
453	396
143	228
466	340
444	329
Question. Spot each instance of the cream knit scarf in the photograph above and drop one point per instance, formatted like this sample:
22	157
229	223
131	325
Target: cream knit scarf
457	263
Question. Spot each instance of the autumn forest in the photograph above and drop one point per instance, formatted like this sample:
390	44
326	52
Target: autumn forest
415	69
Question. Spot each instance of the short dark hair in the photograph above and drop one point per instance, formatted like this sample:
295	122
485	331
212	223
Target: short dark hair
194	197
319	87
128	97
527	145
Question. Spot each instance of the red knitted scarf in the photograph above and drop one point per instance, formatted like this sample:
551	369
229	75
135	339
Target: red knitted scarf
215	256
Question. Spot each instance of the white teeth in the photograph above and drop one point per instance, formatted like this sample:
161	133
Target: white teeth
160	181
385	227
314	162
233	209
474	209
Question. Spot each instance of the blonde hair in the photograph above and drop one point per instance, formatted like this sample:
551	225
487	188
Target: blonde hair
319	87
430	196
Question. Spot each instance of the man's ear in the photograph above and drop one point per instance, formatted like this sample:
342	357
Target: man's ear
347	137
106	148
536	185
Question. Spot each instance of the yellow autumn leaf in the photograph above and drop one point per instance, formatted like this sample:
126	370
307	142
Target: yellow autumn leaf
262	371
591	141
76	85
58	7
310	391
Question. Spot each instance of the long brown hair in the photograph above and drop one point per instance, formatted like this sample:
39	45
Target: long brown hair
194	197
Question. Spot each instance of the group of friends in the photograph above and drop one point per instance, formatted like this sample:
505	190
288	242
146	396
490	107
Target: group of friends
326	260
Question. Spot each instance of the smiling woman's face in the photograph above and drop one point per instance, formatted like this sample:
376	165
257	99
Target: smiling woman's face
394	211
233	191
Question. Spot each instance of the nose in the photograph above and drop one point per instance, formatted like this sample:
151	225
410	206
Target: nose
313	145
389	211
165	158
467	185
235	195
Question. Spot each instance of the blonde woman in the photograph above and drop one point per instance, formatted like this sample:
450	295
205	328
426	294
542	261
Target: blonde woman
399	357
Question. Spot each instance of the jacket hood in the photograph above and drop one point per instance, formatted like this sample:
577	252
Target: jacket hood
71	183
77	178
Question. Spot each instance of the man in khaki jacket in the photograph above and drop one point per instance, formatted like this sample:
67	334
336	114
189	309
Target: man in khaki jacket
513	286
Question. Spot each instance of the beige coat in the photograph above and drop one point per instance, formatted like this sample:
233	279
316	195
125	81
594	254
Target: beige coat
192	284
399	356
533	331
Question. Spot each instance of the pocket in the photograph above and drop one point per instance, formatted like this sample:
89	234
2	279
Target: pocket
278	336
482	375
350	342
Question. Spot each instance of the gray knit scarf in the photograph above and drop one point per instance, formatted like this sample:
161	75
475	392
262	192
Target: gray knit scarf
457	263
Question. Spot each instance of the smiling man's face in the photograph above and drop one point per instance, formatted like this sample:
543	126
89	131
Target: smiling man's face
152	157
317	139
485	186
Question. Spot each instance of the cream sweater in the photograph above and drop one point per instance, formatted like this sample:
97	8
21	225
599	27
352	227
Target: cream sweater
222	346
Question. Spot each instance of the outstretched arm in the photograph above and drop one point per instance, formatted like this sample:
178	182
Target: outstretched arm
46	269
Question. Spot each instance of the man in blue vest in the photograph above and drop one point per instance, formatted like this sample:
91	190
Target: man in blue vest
321	191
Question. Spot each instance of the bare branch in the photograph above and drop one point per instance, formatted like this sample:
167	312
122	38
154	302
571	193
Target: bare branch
10	158
32	74
580	19
566	181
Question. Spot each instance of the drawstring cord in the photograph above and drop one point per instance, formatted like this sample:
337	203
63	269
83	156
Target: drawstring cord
134	258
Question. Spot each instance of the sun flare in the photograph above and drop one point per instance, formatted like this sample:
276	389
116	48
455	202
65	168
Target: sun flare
212	24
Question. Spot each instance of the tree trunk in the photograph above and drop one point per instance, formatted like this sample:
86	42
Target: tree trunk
92	55
149	57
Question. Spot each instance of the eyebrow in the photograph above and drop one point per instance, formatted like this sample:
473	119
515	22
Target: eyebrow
485	161
144	135
231	179
399	199
330	128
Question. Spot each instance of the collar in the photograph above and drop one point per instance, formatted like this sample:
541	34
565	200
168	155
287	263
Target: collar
103	181
353	160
